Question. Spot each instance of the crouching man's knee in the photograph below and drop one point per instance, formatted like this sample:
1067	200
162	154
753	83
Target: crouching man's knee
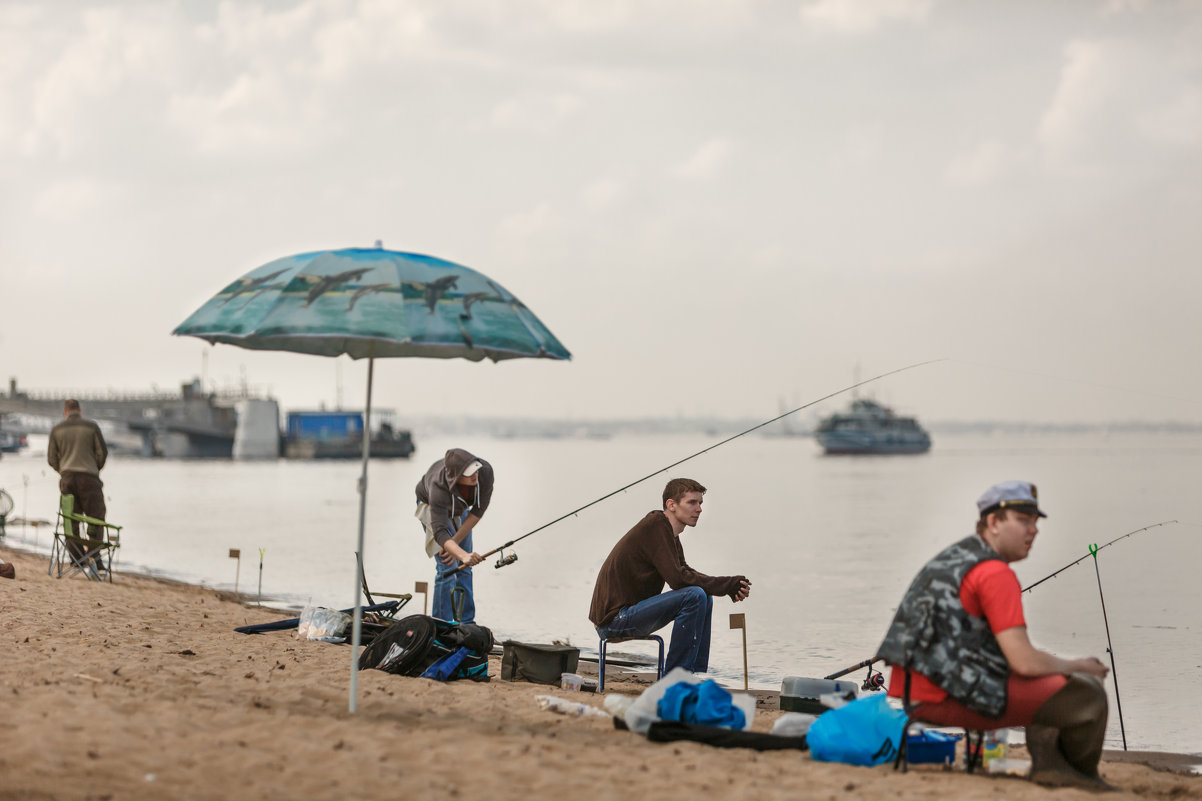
1081	700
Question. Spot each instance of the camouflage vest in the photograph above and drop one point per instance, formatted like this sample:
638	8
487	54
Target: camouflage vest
932	634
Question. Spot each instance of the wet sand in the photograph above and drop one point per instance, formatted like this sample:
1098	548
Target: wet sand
141	689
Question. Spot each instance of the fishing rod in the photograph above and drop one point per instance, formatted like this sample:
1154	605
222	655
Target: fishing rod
513	557
1094	551
1114	673
874	681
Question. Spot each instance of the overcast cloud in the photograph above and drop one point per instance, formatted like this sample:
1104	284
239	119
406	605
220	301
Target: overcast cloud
714	206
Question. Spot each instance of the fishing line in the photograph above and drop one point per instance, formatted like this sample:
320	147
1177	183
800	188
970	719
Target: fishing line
510	559
1083	382
1093	553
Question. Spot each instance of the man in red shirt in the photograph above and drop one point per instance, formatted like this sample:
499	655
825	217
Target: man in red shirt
959	640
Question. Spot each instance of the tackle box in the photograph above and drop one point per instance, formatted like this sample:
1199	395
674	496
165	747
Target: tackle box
928	746
799	694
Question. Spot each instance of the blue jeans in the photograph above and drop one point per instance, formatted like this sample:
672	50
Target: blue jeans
445	582
689	609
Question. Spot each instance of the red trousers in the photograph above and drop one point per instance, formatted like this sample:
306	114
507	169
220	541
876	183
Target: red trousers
1024	697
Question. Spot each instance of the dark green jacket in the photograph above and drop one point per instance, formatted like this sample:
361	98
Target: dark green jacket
76	445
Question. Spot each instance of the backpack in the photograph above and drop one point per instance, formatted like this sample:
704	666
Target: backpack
420	645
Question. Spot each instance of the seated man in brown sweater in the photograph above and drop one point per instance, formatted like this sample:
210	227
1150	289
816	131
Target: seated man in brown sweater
627	600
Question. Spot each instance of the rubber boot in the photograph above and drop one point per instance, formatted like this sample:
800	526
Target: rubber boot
1050	768
1067	733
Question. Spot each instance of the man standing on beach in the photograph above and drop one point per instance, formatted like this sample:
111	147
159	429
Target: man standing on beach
451	498
77	452
959	649
627	599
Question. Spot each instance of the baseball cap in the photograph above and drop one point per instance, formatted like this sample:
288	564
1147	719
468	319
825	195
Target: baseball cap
471	469
1020	495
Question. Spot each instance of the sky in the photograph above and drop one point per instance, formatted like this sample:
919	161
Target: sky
720	209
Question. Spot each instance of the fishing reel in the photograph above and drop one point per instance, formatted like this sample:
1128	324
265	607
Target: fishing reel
503	560
874	681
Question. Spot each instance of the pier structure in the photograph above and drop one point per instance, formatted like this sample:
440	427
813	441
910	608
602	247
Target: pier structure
191	423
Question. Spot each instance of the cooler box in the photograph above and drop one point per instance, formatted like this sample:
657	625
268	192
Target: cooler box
801	695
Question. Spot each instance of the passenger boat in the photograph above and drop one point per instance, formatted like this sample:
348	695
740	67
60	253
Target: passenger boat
869	427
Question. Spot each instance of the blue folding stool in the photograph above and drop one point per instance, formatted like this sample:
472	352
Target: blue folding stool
605	641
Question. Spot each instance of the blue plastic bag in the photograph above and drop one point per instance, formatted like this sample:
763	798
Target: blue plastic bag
865	732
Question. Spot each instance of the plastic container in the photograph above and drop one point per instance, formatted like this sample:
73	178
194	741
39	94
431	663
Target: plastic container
570	681
931	747
799	694
994	747
1010	767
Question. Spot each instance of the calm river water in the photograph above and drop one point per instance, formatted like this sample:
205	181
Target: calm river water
830	543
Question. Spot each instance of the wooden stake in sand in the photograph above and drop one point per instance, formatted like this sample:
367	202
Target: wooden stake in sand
423	588
235	553
738	620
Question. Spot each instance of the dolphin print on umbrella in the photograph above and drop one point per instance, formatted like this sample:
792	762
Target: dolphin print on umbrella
371	303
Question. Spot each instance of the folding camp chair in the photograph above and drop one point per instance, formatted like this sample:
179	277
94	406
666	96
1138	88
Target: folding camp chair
71	554
973	745
404	598
373	626
6	506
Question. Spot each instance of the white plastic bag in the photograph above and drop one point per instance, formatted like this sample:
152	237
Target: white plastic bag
320	623
793	724
642	713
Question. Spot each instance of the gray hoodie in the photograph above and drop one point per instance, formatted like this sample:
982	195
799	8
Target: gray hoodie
437	488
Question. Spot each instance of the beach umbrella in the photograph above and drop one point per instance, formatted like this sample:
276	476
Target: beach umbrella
371	303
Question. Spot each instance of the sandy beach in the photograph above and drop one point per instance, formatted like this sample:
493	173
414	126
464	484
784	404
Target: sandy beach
141	689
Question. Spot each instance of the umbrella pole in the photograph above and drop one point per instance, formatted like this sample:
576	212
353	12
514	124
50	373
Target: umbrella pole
357	625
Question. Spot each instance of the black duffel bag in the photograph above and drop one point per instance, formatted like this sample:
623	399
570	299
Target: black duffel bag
413	645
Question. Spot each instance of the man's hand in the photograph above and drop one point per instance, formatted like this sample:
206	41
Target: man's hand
1091	665
448	556
744	590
